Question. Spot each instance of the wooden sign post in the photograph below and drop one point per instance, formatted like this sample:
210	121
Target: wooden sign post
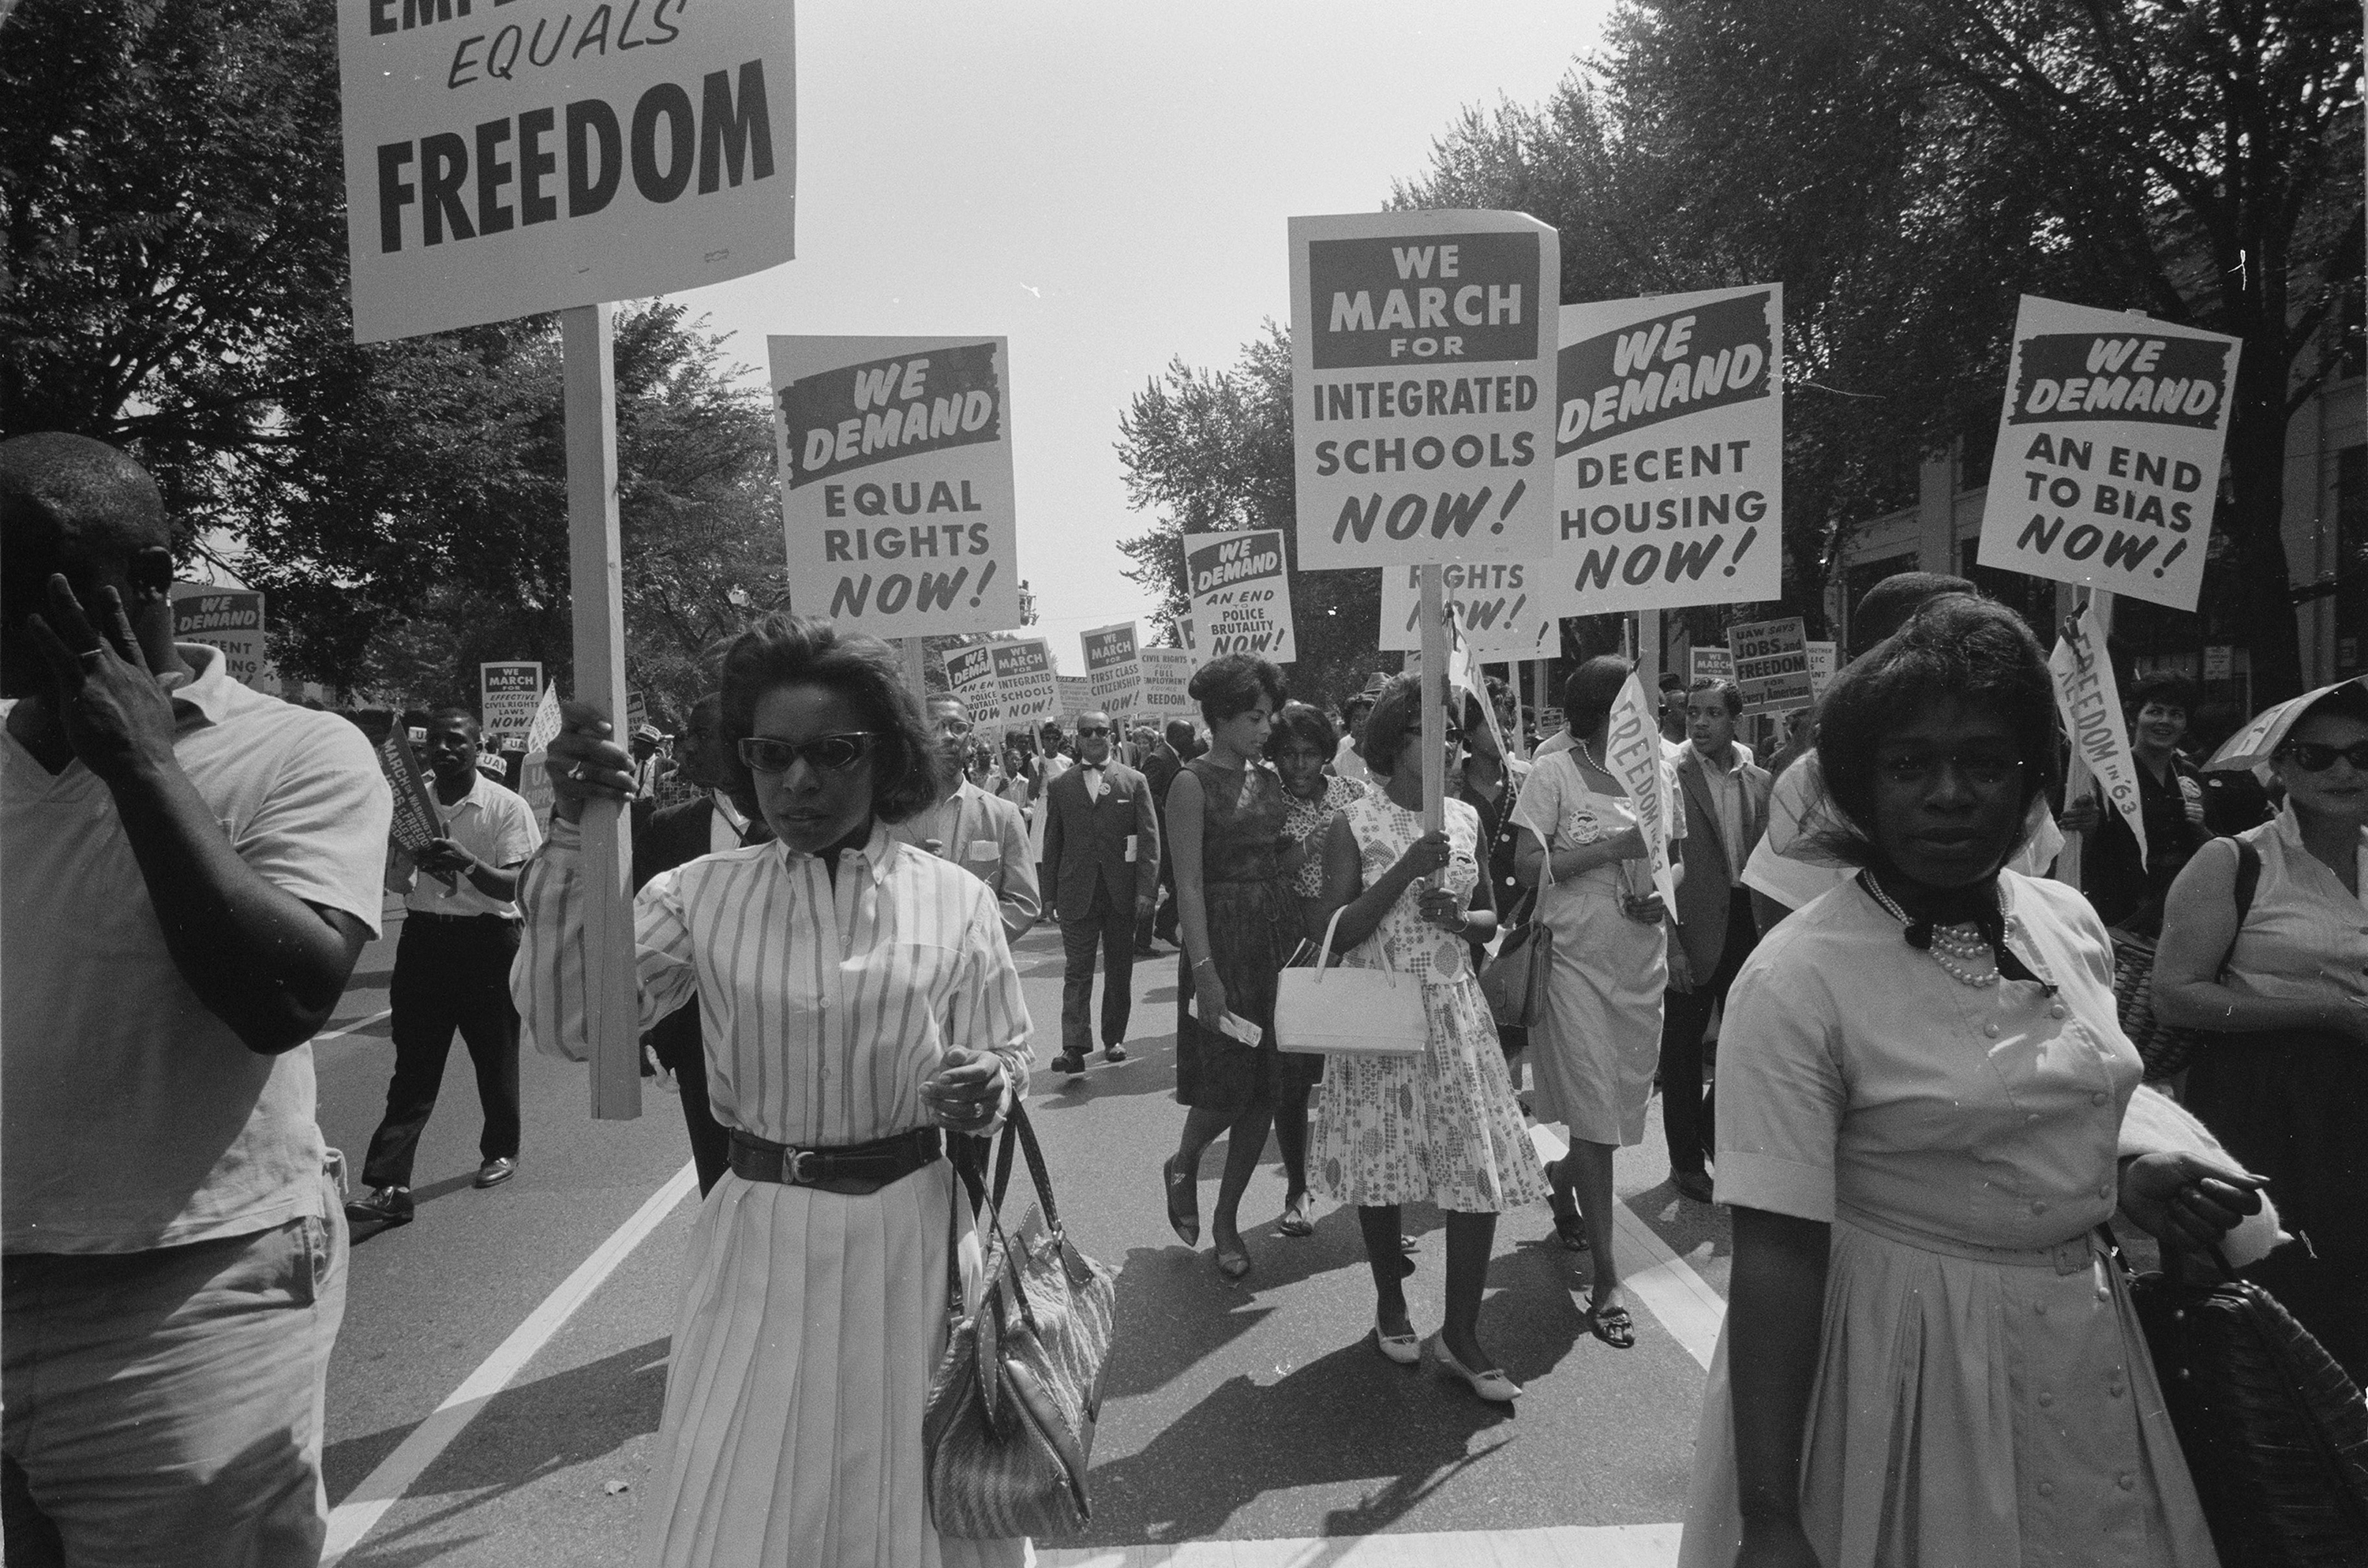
1434	696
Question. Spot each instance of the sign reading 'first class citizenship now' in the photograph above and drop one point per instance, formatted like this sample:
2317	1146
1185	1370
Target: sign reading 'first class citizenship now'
1422	379
505	157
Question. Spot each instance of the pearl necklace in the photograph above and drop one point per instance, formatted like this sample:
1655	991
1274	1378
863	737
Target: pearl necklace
1954	948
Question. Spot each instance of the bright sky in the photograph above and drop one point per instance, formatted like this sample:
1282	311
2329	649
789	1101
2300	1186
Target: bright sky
1106	184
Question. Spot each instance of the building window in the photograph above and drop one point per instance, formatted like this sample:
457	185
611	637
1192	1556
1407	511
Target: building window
2350	560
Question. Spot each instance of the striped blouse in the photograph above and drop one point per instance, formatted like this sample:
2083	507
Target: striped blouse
824	1007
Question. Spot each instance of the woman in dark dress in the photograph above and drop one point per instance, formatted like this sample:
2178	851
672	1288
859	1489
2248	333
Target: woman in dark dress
1238	921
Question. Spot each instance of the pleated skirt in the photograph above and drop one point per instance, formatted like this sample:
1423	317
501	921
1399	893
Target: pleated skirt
802	1357
1969	1415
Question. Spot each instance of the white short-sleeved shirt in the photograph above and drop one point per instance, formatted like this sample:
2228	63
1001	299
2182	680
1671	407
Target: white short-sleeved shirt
133	1117
495	824
1855	1075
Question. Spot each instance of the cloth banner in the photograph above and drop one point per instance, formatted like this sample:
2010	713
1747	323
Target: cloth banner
2090	704
1632	754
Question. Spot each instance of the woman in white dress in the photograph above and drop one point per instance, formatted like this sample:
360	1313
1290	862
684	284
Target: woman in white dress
1593	1061
1928	1357
1444	1127
860	1009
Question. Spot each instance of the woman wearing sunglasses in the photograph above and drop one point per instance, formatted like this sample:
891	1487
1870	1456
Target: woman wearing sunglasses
2286	1084
859	1008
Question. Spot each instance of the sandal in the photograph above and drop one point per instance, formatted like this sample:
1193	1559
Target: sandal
1613	1325
1570	1226
1571	1231
1235	1263
1183	1203
1295	1221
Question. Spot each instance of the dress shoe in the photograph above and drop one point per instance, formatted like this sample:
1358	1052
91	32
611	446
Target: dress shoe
1406	1348
1695	1185
1113	1054
1072	1066
1491	1385
495	1171
381	1205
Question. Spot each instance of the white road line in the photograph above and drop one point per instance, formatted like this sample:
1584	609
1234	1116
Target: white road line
1559	1546
1668	1287
360	1512
355	1027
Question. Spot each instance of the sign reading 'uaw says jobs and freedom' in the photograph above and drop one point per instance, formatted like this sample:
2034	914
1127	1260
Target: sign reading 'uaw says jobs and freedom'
1241	595
2108	452
1422	384
1669	451
895	456
505	157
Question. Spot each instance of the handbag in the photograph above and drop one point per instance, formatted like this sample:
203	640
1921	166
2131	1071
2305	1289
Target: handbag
1322	1010
1008	1430
2275	1435
1515	980
2166	1050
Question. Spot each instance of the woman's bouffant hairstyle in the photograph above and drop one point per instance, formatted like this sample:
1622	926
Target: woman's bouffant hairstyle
1956	646
1592	689
1233	685
787	649
1303	723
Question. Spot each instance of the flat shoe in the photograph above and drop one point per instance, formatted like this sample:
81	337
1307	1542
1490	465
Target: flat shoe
1406	1348
1183	1203
1491	1385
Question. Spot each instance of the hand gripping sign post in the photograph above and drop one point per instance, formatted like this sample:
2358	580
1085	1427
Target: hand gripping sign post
1422	350
546	156
1241	594
1114	670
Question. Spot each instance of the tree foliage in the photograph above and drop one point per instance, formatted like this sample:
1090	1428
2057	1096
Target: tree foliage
1210	451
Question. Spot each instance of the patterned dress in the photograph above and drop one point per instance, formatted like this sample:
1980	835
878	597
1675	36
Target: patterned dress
1442	1127
1252	924
1307	821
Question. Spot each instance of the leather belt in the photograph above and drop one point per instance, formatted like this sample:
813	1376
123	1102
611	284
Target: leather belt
851	1169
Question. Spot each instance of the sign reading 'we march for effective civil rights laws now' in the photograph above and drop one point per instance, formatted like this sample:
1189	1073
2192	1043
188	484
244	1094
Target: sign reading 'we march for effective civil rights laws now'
897	501
1422	350
510	158
2108	453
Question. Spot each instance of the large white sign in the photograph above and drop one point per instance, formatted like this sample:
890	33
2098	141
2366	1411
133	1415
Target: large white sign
1114	667
2107	451
1166	683
1422	387
1770	660
525	155
228	618
970	674
1024	679
1241	595
895	457
1668	466
508	695
1496	605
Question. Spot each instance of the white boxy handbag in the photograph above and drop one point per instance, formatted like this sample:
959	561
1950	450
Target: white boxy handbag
1325	1011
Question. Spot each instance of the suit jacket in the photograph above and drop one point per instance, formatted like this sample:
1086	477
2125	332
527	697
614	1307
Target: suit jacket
676	837
1709	880
1086	840
985	836
1159	769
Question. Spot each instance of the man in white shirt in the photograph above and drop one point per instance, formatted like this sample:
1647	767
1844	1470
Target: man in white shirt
192	869
452	970
981	833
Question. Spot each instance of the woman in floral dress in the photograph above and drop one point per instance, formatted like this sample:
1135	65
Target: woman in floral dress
1442	1127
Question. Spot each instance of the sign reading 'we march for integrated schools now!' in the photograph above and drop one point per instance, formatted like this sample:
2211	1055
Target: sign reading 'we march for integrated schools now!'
525	155
1422	378
895	457
1241	595
2108	455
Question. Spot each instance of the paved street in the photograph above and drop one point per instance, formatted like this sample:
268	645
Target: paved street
1249	1413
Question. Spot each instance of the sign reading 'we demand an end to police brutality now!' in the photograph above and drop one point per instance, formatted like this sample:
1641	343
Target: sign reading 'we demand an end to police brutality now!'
1241	594
2108	454
505	157
895	456
1422	349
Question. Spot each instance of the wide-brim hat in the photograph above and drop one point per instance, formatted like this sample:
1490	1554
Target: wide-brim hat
2259	740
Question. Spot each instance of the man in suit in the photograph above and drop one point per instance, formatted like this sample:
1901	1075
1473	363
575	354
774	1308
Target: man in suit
1726	811
1160	768
1101	842
982	834
676	834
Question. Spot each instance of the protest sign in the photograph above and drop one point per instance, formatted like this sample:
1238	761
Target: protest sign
1077	698
509	696
2108	453
416	820
1632	754
1824	657
1241	598
637	712
2088	700
1669	451
1114	667
1713	663
970	674
229	619
1024	680
534	772
1166	682
895	461
1772	665
549	153
1422	386
1489	602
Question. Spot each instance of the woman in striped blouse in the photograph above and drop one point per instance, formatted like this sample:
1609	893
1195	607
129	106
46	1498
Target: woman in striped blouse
860	1006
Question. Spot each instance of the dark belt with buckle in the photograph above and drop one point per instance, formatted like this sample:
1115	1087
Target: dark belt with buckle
852	1169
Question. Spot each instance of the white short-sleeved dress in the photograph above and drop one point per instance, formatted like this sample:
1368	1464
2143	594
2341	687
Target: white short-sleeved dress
1984	1395
1592	1063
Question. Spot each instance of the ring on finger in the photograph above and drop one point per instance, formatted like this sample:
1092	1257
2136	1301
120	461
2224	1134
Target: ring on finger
577	771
